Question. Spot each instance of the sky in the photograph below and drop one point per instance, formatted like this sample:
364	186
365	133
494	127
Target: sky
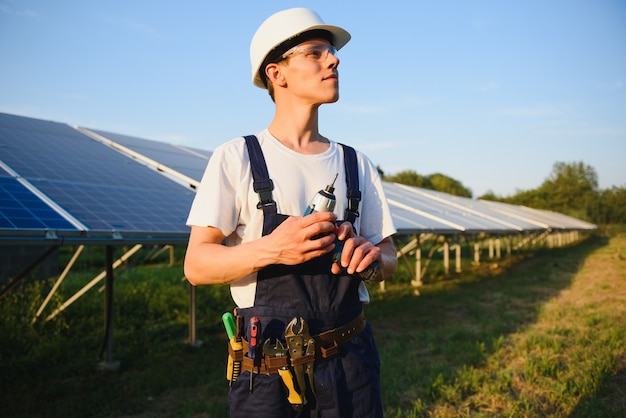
489	92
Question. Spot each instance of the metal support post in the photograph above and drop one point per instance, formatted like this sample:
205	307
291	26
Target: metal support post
192	341
476	253
106	355
446	256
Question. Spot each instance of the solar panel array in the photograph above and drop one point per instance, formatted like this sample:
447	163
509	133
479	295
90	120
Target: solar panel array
423	211
59	182
103	193
417	210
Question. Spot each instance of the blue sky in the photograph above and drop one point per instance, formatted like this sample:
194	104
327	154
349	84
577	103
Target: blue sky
491	93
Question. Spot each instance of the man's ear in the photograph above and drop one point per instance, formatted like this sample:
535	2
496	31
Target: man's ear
274	73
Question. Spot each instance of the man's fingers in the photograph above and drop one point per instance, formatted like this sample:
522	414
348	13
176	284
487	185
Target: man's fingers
345	231
358	254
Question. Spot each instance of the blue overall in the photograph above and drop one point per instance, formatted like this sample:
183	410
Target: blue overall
347	385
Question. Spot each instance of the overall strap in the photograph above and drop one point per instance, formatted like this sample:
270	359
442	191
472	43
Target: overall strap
262	184
352	182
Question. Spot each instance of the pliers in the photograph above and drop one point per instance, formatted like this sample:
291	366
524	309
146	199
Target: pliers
278	350
302	353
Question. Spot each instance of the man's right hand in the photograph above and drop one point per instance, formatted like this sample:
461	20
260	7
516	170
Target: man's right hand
302	238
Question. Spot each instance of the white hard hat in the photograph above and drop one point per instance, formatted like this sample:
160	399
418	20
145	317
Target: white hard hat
284	26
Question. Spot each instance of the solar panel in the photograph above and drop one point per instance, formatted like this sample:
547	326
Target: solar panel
433	212
103	189
21	209
480	209
554	220
188	161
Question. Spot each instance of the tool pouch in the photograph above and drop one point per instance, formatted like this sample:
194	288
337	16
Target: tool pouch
235	358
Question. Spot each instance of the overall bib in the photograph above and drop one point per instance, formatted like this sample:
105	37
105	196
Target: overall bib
347	385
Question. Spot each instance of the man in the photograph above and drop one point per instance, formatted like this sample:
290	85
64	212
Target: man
247	230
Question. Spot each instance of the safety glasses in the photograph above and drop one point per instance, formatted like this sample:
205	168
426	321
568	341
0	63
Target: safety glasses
318	52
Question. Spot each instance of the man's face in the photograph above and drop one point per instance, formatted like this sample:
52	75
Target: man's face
310	70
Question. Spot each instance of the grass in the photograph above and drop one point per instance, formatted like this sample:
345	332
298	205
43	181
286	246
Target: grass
539	334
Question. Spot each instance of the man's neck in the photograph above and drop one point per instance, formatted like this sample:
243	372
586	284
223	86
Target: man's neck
297	129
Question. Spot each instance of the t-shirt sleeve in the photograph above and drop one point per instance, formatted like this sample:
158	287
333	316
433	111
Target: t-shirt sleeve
215	203
376	222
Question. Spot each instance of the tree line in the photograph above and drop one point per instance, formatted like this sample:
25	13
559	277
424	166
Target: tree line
571	189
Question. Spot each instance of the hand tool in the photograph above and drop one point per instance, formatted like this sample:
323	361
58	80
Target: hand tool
309	352
279	350
254	335
233	369
324	201
229	323
295	343
302	353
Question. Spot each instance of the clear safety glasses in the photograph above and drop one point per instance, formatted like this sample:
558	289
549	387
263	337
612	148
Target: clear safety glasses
315	52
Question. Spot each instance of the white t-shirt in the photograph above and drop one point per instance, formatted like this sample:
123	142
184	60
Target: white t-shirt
226	200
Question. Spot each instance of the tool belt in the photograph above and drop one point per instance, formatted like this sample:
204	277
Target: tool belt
327	345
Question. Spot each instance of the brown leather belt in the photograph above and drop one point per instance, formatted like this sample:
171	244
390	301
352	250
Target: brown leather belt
327	345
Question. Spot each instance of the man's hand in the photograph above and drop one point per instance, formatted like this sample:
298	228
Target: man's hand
302	238
357	254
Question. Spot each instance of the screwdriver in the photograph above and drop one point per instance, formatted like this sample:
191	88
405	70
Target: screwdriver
254	334
234	367
324	201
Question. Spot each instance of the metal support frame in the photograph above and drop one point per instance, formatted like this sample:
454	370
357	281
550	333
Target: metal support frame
95	281
446	256
495	245
457	251
106	355
64	274
476	253
167	247
418	263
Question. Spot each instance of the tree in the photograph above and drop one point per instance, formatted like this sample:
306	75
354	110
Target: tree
443	183
571	188
490	195
410	178
438	182
610	208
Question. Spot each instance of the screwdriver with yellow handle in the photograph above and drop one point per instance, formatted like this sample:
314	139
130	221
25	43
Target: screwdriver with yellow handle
233	370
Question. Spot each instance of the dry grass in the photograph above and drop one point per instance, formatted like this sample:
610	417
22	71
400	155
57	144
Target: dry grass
564	354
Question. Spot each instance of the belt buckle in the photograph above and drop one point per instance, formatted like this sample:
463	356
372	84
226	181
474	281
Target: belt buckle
330	351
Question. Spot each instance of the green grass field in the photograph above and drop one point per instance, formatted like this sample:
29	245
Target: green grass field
535	335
